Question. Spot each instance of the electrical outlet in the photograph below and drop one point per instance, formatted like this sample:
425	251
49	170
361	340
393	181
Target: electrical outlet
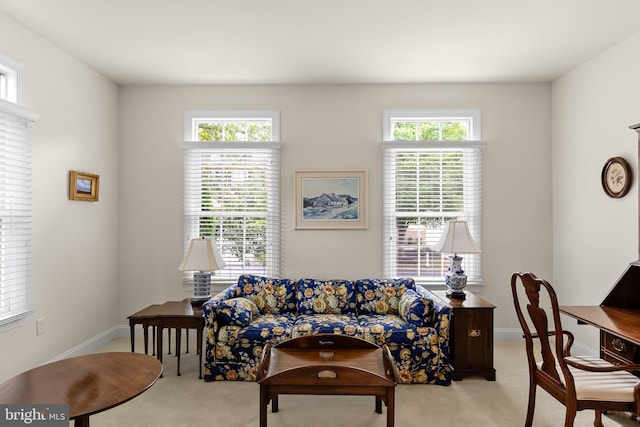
40	326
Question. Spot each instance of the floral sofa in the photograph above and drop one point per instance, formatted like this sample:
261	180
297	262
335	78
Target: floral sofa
411	321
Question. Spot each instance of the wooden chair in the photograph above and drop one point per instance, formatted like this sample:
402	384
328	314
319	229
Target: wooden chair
578	382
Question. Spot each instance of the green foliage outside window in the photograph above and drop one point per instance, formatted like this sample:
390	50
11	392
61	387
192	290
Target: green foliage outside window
235	194
429	183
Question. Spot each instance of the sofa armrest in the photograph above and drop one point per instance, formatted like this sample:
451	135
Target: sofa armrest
209	308
441	315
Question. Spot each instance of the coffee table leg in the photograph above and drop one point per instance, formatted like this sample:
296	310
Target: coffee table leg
263	406
391	406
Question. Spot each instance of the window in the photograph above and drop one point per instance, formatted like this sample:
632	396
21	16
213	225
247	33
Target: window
432	174
11	80
16	288
231	192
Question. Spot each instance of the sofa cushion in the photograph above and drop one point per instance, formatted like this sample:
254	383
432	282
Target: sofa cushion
415	309
388	329
326	296
272	296
237	311
340	324
381	296
263	328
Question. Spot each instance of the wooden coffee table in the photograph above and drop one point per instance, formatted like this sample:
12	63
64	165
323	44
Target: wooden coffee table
325	365
88	384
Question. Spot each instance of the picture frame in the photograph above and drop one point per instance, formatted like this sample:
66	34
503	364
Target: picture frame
616	177
330	199
83	186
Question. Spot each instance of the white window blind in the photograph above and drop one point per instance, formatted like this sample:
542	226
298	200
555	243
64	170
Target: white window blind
16	284
427	182
231	194
425	186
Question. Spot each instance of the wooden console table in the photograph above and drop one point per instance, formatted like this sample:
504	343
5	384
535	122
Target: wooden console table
471	336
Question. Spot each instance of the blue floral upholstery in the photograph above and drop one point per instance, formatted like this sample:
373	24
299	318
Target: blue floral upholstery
272	296
415	309
326	296
313	324
380	296
237	311
410	320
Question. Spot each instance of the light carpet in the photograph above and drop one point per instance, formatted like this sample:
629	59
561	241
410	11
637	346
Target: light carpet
187	401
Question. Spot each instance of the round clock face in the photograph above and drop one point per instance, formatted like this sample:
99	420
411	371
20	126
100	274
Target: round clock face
616	177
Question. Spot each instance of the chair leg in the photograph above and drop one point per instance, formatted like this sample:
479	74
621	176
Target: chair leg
569	417
532	404
597	421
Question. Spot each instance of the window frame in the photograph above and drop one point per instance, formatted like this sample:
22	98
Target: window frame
13	73
192	142
16	235
390	214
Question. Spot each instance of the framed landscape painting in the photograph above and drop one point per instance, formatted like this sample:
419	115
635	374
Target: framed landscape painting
330	199
83	186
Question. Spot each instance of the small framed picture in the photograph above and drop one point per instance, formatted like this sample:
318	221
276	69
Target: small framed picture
83	186
330	199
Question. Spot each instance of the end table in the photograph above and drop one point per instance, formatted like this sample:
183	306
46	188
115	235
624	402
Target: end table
471	336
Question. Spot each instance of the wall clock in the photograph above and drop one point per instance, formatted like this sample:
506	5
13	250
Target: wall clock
616	177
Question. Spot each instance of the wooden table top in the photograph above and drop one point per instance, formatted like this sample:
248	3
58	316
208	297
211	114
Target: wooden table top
88	384
331	366
616	320
168	309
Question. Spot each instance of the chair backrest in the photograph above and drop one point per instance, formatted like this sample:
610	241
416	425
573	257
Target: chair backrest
549	335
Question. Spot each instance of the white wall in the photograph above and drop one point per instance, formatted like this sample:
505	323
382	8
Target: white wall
74	243
96	263
335	126
595	237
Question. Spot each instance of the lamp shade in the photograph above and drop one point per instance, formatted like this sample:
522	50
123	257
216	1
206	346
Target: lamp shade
456	239
202	255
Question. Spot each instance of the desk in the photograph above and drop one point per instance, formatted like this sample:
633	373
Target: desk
619	332
88	384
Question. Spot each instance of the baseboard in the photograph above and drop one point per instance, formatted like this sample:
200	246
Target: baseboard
515	334
504	334
96	343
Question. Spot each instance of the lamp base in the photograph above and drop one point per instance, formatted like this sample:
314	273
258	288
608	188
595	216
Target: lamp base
456	295
455	278
201	287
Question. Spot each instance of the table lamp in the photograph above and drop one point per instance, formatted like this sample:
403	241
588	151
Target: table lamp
456	239
202	257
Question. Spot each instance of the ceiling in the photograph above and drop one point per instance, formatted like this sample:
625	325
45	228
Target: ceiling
329	41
